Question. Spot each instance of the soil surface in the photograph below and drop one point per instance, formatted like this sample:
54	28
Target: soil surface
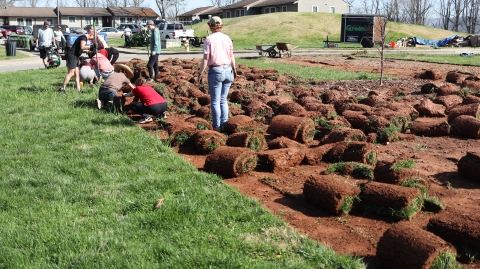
281	192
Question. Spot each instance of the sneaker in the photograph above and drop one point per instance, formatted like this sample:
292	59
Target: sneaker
164	115
146	119
79	90
150	80
61	90
99	103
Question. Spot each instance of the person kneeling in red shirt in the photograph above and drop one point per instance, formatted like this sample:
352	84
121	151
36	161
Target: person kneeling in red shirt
151	102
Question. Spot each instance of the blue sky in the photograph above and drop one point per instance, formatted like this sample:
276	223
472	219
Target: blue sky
191	4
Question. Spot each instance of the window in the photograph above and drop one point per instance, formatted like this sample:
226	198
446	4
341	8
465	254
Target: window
284	8
122	20
228	14
20	21
130	20
144	20
242	12
71	19
314	9
50	21
237	13
270	10
332	9
28	22
88	20
95	20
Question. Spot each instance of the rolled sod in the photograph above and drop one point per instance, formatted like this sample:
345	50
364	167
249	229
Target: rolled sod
343	134
314	156
296	128
430	127
252	140
231	161
331	192
466	126
355	151
181	132
391	200
357	119
200	123
428	108
470	110
469	164
207	141
283	142
385	172
406	245
281	159
239	123
457	227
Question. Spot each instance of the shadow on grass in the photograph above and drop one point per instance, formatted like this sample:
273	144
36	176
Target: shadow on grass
33	88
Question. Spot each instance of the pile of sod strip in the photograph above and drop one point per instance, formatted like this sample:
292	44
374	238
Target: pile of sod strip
79	189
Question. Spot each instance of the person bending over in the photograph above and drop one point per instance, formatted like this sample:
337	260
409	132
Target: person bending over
113	83
151	102
86	72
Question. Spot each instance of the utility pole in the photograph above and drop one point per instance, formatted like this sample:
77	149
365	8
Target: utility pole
58	14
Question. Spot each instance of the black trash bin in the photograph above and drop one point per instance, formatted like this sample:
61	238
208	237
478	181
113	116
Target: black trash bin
11	45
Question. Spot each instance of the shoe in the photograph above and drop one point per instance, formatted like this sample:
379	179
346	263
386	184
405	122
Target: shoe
150	80
99	103
79	90
146	119
61	90
164	115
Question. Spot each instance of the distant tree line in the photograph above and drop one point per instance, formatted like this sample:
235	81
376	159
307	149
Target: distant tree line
453	15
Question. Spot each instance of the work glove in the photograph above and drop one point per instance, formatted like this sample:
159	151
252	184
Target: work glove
153	53
200	78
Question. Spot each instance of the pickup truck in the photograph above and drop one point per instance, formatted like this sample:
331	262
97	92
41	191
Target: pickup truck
172	30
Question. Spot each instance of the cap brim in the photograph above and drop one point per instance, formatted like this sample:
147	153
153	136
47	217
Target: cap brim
125	68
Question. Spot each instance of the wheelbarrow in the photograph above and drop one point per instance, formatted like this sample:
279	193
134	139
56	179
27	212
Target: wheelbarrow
266	50
285	48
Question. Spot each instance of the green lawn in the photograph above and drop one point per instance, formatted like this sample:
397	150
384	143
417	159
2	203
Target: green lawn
79	186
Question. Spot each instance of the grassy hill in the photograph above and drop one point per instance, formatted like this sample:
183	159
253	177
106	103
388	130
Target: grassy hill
305	29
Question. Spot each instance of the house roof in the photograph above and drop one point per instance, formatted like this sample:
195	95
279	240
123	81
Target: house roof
40	12
241	4
274	3
198	11
132	11
83	11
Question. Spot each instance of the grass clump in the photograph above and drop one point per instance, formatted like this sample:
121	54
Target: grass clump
390	132
348	203
351	168
404	213
372	157
410	163
446	259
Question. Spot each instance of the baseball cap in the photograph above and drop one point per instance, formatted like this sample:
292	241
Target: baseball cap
150	22
215	20
46	23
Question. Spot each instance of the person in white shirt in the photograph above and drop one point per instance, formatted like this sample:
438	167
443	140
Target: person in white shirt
45	38
59	38
128	36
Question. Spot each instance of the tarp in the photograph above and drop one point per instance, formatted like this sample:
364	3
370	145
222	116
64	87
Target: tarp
434	43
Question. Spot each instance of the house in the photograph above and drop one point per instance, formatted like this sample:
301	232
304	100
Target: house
27	16
76	16
82	16
199	14
256	7
131	15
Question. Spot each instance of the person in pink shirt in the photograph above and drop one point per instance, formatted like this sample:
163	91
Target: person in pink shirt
218	56
151	102
103	67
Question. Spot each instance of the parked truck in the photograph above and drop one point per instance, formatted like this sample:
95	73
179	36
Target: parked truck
174	30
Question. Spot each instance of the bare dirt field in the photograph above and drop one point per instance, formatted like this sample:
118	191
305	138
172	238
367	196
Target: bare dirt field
422	94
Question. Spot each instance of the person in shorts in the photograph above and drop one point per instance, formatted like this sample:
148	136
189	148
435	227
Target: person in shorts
72	59
103	68
86	72
45	39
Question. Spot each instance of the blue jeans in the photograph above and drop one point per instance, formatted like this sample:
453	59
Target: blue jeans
219	81
106	95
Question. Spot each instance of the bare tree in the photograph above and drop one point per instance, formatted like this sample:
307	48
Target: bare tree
175	9
470	15
416	11
138	3
369	7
